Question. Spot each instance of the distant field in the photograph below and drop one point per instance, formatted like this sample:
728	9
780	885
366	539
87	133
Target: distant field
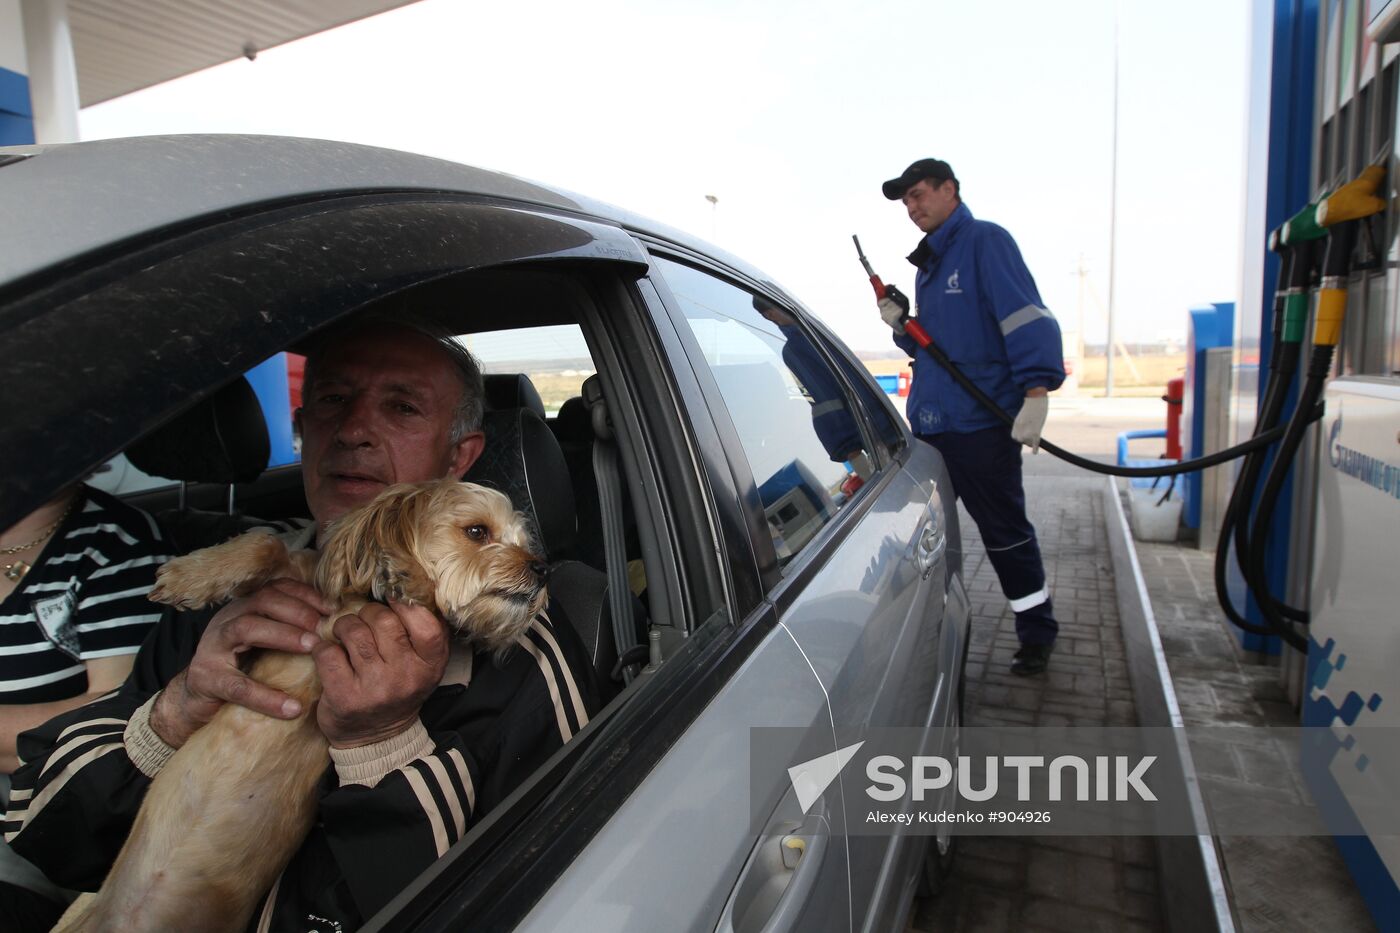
554	388
1152	373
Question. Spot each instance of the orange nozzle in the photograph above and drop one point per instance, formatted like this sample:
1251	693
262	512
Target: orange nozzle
1354	200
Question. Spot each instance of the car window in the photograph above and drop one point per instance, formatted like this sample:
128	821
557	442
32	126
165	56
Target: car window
276	382
803	443
555	358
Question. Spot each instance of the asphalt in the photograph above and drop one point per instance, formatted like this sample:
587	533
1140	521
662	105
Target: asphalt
1074	884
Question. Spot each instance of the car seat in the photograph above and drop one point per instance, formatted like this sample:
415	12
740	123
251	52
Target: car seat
220	440
504	391
523	459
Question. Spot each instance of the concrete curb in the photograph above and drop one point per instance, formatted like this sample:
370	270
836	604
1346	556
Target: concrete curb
1193	888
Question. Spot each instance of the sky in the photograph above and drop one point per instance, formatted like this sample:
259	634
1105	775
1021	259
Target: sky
791	114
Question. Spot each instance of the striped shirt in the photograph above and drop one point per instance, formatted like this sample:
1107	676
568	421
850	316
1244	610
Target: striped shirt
84	598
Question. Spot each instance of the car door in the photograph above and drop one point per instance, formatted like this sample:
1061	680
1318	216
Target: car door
698	843
858	542
885	867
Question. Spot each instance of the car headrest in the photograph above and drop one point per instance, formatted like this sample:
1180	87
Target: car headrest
223	439
504	391
523	460
574	423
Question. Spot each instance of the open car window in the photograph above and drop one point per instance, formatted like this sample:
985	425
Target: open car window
554	358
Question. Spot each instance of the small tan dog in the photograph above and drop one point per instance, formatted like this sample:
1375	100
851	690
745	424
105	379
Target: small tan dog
231	807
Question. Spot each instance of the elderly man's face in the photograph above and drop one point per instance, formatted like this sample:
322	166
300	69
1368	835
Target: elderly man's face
930	202
380	412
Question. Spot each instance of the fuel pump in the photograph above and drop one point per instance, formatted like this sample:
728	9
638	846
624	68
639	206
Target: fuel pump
1342	214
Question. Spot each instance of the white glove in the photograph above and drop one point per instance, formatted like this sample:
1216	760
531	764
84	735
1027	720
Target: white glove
1030	421
892	314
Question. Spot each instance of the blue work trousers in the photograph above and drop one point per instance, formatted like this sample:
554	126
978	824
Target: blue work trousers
985	467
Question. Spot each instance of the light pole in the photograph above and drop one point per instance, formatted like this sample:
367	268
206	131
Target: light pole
714	216
1112	222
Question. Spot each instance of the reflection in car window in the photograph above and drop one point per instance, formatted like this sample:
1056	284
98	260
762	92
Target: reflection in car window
877	409
803	444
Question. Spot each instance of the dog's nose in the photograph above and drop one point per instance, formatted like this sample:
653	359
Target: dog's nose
540	569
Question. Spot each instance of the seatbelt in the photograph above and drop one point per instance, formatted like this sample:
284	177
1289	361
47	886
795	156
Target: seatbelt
608	474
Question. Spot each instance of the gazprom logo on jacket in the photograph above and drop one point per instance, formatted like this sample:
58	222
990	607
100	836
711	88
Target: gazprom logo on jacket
1372	471
953	288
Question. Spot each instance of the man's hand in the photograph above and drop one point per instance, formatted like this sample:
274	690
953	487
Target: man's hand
892	314
387	663
1030	420
282	615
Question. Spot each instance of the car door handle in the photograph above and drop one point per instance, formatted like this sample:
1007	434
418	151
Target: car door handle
778	881
932	544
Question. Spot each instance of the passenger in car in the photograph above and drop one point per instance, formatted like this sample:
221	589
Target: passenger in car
74	574
424	738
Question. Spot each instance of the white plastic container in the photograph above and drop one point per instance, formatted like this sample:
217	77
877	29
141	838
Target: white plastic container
1151	521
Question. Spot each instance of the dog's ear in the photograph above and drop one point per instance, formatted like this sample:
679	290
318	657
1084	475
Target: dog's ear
373	550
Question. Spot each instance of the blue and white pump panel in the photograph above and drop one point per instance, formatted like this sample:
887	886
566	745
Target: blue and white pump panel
1352	690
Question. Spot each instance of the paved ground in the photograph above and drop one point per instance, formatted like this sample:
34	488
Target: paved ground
1277	884
1084	883
1073	883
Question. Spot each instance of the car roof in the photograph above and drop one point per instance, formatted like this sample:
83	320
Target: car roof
137	275
65	200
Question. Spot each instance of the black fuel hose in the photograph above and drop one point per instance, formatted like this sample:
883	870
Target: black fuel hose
1255	447
1296	276
1318	369
1236	521
1331	311
1258	442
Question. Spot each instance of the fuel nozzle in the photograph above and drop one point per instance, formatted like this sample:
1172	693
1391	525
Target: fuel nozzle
1296	241
1354	200
881	289
1340	214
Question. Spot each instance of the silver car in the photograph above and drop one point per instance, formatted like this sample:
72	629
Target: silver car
747	533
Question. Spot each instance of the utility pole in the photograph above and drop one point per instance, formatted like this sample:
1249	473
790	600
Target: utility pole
1112	223
1079	313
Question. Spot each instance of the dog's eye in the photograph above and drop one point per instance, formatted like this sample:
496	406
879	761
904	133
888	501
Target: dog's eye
478	532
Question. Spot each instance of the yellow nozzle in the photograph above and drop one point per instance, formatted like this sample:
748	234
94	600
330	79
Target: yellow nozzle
1331	311
1354	200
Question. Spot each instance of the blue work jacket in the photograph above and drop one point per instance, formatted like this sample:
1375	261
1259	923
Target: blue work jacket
977	300
831	419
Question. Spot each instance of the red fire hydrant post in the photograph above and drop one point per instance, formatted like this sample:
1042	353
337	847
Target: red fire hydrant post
1176	395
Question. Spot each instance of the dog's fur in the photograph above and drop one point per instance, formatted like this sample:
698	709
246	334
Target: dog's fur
230	808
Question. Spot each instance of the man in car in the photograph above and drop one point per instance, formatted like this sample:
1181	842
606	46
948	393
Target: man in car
420	747
976	297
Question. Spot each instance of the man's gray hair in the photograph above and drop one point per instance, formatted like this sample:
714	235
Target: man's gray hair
466	418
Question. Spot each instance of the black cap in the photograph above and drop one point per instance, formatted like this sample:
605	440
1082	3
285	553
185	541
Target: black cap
934	169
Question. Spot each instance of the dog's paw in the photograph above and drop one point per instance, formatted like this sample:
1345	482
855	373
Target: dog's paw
394	583
183	584
215	575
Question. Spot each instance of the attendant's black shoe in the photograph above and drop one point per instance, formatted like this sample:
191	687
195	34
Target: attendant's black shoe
1031	659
